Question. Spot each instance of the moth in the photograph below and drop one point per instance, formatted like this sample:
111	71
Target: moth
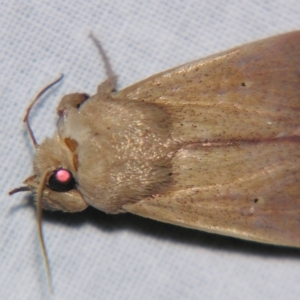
213	145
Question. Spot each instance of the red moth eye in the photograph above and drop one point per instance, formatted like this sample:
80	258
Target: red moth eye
62	180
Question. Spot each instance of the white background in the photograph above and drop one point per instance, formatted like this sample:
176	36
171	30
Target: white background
93	255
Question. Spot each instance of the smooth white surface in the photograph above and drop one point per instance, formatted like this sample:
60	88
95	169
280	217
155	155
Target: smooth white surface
94	256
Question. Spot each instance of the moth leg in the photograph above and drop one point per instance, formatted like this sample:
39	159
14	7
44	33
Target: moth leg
107	87
110	84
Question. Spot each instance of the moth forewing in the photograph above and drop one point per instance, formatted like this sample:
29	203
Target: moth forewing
237	119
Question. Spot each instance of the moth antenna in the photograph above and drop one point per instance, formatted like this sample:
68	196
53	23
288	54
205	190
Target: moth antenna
39	211
37	97
19	189
109	71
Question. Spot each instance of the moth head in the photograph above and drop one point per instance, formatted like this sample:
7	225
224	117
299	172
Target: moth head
57	159
53	183
59	191
55	174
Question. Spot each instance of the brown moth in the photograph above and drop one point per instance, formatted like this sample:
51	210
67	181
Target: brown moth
212	145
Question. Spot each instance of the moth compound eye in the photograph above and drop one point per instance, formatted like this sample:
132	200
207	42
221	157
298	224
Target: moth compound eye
62	180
